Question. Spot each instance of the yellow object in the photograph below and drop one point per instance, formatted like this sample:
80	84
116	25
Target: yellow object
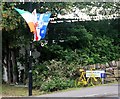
81	70
82	80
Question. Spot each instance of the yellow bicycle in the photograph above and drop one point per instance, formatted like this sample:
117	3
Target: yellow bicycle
84	81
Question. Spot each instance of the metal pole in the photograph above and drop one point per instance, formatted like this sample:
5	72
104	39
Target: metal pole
30	70
30	61
102	80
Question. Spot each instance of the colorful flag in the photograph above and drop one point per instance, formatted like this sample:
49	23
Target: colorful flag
29	18
40	24
37	22
35	25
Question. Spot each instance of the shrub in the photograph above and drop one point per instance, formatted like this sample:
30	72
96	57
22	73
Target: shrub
53	75
56	83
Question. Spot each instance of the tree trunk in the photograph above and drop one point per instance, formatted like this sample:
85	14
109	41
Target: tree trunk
8	65
26	66
4	68
14	64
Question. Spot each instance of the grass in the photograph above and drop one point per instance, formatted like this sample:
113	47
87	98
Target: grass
8	90
0	90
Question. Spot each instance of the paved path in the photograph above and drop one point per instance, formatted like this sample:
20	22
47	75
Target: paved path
97	91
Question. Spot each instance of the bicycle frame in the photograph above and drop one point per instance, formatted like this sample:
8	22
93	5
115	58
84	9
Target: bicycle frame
84	81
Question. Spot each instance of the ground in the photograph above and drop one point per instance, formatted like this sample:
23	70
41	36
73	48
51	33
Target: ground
9	90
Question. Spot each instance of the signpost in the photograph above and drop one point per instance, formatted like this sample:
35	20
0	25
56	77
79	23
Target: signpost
96	73
103	77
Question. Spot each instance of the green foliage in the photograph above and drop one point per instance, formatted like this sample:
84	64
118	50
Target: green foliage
10	19
85	42
54	75
57	83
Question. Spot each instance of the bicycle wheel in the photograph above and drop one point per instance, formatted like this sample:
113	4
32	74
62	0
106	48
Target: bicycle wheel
99	81
80	82
94	81
77	82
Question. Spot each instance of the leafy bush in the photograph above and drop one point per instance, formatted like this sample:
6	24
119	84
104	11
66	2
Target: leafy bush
53	75
57	83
